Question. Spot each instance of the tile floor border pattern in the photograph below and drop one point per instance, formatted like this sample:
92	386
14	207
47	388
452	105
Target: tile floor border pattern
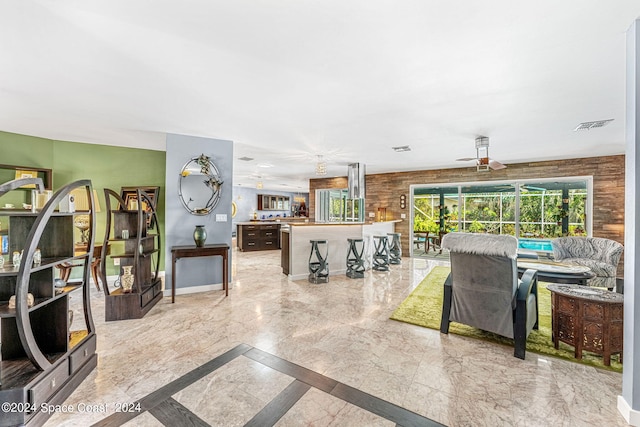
170	412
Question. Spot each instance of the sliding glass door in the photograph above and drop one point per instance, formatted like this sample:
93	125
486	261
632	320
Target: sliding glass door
530	209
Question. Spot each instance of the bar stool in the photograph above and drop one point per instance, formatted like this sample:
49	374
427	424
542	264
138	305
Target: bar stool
395	249
355	262
381	253
318	264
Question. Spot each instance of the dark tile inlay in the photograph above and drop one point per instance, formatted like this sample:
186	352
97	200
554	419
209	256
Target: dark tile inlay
305	375
151	400
381	407
280	405
172	413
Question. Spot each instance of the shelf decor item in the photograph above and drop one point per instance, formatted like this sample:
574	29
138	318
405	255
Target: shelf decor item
200	235
126	280
37	257
16	258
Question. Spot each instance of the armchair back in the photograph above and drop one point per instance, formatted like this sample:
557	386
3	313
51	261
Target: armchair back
484	280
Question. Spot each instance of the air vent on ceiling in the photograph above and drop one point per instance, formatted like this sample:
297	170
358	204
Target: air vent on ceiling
591	125
401	148
245	159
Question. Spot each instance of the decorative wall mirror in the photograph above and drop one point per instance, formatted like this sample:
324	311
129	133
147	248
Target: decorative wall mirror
200	185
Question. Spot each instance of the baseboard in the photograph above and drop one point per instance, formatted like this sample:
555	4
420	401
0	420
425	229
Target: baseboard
195	289
631	416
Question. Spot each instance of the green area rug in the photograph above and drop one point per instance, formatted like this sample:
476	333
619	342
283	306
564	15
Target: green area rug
424	308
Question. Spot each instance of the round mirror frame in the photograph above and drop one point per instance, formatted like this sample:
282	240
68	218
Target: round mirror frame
212	183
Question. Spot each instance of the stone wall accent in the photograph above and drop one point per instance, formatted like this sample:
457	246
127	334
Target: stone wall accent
384	190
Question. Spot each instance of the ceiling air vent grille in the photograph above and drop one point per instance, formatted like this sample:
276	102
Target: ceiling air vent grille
592	125
401	148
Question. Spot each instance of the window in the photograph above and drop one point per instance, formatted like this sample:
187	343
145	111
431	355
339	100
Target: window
537	209
335	206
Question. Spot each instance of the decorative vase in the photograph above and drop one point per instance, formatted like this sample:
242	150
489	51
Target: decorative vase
126	280
200	235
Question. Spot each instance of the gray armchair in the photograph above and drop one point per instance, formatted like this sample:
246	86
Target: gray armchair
600	255
483	289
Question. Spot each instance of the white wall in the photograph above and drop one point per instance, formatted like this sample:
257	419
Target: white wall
629	401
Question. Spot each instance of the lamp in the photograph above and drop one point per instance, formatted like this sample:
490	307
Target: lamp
321	166
81	201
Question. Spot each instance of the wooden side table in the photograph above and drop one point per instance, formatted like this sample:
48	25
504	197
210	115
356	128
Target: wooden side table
216	249
589	319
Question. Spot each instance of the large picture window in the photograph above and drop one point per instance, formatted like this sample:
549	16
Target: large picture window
527	209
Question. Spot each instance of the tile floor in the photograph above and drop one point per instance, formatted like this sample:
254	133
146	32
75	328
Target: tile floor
341	331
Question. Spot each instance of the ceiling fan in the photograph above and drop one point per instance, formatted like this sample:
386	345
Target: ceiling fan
483	162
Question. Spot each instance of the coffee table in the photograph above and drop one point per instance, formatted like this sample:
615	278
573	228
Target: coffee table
556	272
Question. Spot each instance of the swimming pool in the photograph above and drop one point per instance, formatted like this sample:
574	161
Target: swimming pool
542	245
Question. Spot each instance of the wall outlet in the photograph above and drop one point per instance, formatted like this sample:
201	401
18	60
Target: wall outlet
403	216
372	214
116	261
221	217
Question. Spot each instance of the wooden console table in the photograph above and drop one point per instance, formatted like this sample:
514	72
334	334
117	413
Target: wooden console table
189	251
587	318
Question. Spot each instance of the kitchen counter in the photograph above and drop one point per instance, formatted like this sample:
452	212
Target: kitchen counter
295	262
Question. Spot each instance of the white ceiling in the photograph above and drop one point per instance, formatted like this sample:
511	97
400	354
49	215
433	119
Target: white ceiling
288	80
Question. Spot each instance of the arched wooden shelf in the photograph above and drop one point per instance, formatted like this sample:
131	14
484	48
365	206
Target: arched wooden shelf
43	358
139	248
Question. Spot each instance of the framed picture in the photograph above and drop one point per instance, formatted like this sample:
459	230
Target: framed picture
26	174
130	197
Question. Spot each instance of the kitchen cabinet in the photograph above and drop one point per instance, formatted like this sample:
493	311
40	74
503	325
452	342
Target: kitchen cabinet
267	202
258	236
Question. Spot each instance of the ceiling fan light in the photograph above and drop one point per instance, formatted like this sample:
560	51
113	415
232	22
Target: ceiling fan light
321	167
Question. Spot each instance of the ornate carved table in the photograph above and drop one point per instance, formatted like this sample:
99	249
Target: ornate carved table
588	319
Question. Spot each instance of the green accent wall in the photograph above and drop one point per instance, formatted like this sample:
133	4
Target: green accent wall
106	167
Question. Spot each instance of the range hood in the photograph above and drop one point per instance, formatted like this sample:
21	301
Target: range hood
355	177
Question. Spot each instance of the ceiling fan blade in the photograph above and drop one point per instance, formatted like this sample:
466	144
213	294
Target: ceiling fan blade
495	165
466	159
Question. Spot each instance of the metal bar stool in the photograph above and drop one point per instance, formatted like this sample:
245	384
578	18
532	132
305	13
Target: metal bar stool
355	262
395	249
318	264
381	253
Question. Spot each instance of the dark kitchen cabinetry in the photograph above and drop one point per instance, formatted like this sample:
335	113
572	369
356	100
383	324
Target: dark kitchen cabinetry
268	202
258	236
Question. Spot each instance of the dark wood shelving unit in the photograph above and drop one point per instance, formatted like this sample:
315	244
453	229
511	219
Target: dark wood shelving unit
141	251
43	359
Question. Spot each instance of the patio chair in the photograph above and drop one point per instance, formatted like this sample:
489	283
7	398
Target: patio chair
420	238
483	289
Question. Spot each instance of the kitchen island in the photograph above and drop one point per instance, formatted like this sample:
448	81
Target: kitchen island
296	247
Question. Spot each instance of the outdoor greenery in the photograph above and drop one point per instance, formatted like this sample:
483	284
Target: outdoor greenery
542	212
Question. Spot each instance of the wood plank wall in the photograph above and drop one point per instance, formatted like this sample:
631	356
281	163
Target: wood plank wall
384	190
